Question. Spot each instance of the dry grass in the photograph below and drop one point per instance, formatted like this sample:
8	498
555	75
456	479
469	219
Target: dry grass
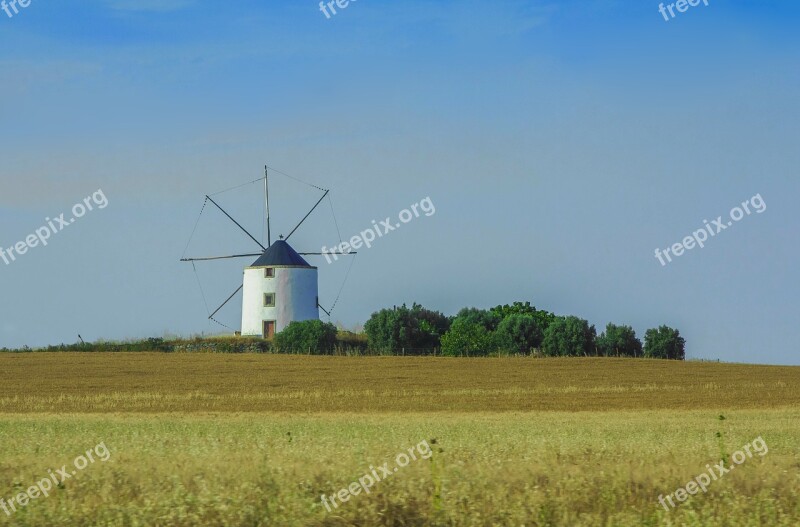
254	440
153	382
534	469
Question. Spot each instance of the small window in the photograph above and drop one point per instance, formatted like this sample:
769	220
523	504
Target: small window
269	272
269	299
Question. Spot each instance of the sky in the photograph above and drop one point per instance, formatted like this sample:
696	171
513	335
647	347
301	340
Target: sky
561	144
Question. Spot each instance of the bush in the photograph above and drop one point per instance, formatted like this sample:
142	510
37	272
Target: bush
543	318
310	336
401	327
469	338
158	344
519	334
569	337
619	341
487	319
349	342
664	343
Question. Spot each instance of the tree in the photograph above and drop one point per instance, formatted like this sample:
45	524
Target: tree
401	327
619	341
471	333
487	319
517	308
664	343
431	325
309	336
543	318
466	337
519	333
569	336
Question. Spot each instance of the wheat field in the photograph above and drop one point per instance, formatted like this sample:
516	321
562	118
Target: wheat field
202	382
256	440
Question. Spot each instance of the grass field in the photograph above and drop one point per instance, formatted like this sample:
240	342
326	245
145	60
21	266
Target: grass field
255	440
175	382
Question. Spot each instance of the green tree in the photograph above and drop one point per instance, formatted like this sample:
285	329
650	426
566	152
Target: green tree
401	327
517	308
309	336
664	343
467	337
487	319
471	333
569	337
619	341
519	333
543	318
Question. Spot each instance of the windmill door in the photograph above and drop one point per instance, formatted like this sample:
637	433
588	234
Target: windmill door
269	329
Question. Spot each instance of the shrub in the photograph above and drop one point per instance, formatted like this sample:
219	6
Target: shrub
488	319
401	327
467	337
310	336
543	318
158	344
471	333
619	341
569	336
664	343
519	334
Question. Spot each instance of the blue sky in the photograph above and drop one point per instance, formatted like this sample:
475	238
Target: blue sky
561	142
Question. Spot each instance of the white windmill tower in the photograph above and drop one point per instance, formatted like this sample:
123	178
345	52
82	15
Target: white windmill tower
278	288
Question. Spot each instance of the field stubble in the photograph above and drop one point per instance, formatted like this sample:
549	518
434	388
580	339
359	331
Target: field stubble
255	440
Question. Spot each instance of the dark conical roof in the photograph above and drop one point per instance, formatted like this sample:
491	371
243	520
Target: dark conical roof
280	253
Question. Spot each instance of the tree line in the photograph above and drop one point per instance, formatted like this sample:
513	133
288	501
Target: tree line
518	329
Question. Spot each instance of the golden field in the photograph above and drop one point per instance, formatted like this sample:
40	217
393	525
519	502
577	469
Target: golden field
255	440
176	382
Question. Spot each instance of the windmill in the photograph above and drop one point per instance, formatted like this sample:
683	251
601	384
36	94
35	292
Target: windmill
280	286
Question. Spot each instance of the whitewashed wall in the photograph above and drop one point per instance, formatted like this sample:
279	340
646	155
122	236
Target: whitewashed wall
295	288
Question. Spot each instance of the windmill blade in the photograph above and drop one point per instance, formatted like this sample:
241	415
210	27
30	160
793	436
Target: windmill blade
336	301
209	258
301	298
307	215
266	202
211	316
322	254
220	257
237	223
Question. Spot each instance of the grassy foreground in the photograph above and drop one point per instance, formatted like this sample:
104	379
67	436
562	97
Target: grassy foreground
577	469
255	441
